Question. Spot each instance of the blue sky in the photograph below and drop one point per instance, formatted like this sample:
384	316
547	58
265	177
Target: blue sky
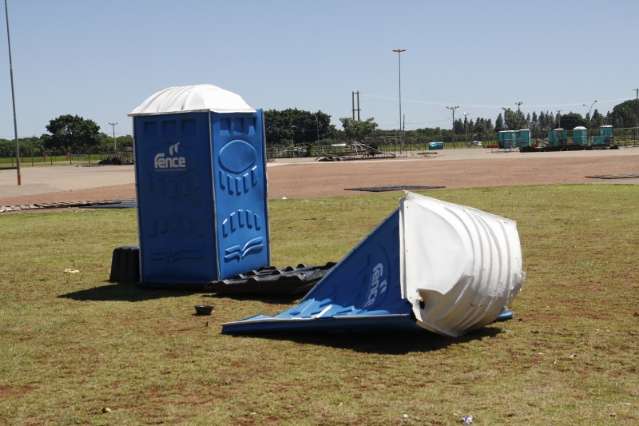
99	59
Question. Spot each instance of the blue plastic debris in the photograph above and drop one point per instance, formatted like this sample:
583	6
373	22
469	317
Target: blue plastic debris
362	291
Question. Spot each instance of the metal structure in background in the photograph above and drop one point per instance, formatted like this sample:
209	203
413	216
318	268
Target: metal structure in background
355	105
115	142
13	96
399	95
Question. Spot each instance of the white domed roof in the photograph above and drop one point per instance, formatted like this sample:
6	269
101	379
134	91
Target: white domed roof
197	97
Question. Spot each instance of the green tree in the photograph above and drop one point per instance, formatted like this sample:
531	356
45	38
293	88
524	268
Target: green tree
293	125
514	119
72	133
597	120
358	130
625	114
499	123
571	120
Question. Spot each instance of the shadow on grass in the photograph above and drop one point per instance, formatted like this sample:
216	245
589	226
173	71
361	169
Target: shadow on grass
124	293
387	342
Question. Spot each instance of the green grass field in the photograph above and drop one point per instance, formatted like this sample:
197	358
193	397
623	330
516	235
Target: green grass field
72	345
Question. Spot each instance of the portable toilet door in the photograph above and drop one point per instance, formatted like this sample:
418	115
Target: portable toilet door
201	186
580	136
523	138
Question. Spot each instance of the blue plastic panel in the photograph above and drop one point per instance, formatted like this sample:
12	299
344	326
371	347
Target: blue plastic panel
240	192
362	291
175	203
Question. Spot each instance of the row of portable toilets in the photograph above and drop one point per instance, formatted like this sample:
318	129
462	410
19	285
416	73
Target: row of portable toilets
558	139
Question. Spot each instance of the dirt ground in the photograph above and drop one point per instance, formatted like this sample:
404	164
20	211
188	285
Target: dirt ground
305	179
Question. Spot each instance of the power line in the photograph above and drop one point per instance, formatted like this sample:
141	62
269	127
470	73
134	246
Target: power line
488	106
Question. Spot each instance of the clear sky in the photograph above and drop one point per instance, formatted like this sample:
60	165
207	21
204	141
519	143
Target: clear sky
99	58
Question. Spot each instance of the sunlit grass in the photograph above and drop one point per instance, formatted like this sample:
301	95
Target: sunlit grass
71	344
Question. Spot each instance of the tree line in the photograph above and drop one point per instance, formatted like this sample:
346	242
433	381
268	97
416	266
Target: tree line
68	134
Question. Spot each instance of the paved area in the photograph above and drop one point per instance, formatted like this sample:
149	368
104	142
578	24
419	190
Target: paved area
306	178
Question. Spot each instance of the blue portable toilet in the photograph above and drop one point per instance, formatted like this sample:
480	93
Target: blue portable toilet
200	172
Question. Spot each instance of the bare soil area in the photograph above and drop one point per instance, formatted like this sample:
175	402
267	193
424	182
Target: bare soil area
305	179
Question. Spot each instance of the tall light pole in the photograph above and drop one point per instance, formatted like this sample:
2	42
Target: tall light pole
13	97
115	142
399	94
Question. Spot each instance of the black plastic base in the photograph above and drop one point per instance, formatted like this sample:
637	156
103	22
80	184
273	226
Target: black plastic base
268	281
125	265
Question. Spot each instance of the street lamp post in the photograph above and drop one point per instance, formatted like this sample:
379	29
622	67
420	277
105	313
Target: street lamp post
589	107
115	142
399	94
13	97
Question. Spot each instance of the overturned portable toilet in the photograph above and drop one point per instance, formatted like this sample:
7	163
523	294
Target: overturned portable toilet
431	264
201	186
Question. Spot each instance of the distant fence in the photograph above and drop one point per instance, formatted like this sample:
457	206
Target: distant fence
337	149
71	159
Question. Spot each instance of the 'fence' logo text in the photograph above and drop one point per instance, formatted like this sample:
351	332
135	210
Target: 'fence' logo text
170	162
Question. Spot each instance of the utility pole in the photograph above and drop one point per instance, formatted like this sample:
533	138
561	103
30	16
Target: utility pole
353	104
399	94
13	97
519	105
637	120
115	143
317	122
453	109
403	123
